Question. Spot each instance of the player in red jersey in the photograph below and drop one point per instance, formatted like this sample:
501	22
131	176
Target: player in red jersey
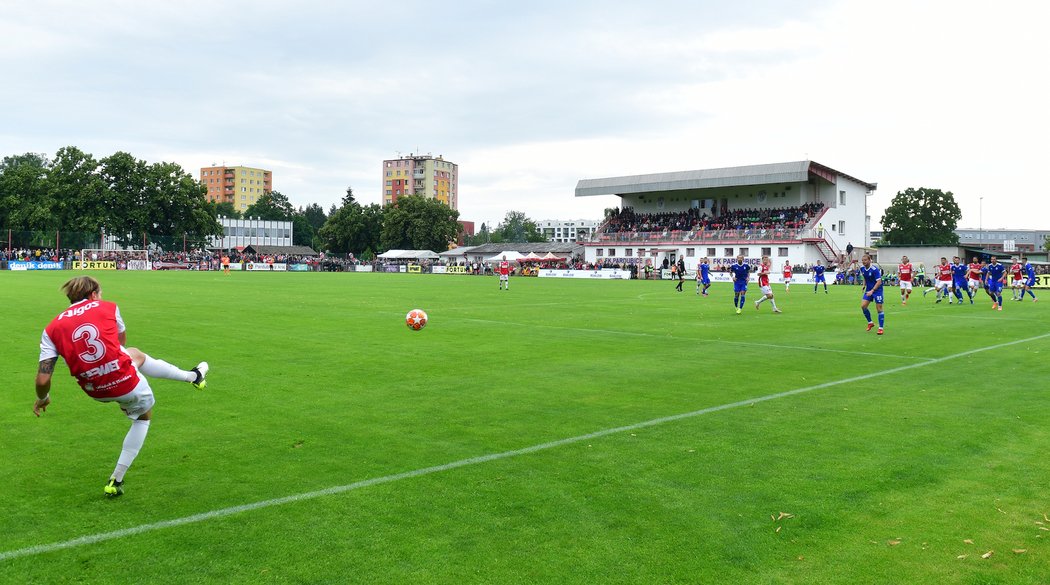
503	270
943	283
1016	279
787	276
905	273
973	276
90	337
763	284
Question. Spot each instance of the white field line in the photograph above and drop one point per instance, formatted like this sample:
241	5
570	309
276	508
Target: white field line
702	340
223	512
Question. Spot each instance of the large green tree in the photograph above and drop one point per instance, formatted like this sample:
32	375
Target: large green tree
24	199
314	215
176	207
272	206
419	223
921	216
77	194
352	228
516	227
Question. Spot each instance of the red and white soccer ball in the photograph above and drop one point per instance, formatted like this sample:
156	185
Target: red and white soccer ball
416	319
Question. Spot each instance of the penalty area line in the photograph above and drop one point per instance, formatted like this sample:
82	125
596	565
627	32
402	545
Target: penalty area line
223	512
702	340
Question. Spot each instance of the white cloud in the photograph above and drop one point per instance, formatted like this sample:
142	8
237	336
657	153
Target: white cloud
528	99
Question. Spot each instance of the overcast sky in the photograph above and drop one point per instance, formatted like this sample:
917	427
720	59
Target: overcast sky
529	97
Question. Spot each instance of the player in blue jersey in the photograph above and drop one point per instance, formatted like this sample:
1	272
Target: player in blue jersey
959	284
741	274
984	280
996	278
703	276
818	277
872	291
1029	279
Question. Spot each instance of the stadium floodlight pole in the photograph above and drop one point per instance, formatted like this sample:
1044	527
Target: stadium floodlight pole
980	219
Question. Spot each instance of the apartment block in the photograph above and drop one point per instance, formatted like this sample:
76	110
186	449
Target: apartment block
241	186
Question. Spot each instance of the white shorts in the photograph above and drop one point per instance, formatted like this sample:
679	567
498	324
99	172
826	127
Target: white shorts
939	284
504	277
137	402
1018	283
766	290
974	283
905	285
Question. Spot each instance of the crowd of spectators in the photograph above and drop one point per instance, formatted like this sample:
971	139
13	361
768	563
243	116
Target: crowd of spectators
695	220
39	254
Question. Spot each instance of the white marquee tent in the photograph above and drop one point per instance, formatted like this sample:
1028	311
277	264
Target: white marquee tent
408	255
511	255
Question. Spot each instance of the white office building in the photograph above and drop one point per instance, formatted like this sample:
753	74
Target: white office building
572	230
238	233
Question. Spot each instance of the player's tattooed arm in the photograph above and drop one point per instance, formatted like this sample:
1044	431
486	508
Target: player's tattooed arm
47	366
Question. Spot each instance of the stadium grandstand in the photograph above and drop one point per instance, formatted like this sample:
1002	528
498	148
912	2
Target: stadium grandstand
799	211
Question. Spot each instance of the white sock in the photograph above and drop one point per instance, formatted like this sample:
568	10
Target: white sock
155	368
774	303
132	444
760	301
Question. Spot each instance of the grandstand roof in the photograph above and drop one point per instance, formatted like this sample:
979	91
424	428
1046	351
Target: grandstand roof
788	172
558	248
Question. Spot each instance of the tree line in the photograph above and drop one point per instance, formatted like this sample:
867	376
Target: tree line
129	199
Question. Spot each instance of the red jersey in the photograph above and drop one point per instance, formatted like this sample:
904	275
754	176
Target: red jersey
86	336
904	272
1015	271
503	268
787	271
944	272
975	272
763	275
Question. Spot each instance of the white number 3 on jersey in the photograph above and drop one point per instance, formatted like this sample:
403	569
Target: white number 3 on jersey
88	333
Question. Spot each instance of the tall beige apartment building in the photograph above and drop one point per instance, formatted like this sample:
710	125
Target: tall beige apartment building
435	178
240	186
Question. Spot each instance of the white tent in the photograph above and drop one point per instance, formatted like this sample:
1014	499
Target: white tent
408	255
511	255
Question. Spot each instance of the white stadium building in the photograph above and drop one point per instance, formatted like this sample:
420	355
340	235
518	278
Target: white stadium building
800	212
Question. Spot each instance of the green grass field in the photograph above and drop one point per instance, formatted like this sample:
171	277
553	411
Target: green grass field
903	459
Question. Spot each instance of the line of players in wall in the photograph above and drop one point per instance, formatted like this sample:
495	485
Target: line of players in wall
952	279
955	278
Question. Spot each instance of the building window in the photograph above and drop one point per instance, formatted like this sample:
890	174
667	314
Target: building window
390	173
243	173
598	252
690	252
782	252
388	183
842	197
711	252
842	228
767	251
612	251
745	252
628	252
728	252
389	192
244	189
243	197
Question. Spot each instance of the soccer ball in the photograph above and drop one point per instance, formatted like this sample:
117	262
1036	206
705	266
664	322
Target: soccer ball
416	319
